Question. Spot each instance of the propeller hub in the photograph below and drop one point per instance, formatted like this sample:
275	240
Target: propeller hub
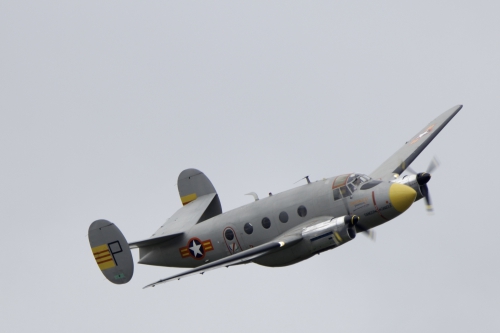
351	220
423	178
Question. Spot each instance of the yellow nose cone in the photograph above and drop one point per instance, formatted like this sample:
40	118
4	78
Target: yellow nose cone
401	196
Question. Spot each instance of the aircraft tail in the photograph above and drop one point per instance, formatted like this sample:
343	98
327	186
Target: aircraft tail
111	251
193	184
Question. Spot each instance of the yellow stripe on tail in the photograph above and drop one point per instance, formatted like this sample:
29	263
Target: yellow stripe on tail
103	257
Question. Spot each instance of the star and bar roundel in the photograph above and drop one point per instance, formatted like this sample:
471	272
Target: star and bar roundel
196	248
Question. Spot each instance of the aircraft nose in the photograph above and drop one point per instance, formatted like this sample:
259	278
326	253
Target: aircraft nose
401	196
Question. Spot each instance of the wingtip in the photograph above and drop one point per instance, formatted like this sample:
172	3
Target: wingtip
454	110
150	285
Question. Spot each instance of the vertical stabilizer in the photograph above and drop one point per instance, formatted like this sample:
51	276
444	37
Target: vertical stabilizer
193	184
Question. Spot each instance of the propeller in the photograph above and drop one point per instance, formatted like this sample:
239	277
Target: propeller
367	232
352	222
422	180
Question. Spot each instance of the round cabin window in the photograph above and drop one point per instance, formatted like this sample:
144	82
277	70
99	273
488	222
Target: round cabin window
284	217
229	234
302	211
266	223
248	228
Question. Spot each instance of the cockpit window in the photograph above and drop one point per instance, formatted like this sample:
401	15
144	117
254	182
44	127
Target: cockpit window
344	185
339	181
344	191
336	194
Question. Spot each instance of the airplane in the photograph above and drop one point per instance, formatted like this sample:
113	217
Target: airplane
278	230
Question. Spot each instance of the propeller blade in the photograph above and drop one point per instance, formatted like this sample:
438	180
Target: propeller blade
433	165
368	233
422	180
411	170
425	192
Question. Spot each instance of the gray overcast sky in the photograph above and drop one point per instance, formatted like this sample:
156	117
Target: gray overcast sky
103	104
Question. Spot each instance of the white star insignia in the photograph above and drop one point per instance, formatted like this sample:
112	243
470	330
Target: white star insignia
196	249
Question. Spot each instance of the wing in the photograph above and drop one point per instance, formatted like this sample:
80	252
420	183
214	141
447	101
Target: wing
238	258
398	162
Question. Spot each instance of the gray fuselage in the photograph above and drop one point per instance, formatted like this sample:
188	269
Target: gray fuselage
372	205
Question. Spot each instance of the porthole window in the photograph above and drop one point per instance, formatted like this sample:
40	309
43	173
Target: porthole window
248	228
284	217
266	223
302	211
229	234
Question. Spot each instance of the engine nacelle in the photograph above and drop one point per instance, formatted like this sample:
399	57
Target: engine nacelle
411	181
324	233
330	233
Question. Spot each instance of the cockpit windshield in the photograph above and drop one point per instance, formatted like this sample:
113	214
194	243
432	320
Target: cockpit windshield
345	185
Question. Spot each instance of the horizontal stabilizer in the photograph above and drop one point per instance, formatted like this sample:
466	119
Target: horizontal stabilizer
188	215
111	252
153	241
